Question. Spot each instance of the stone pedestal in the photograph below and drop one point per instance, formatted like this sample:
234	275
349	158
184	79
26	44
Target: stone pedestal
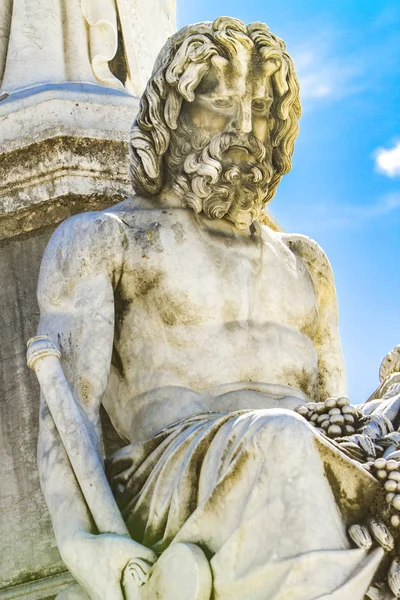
63	150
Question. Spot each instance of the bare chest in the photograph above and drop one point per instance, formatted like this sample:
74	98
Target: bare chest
179	274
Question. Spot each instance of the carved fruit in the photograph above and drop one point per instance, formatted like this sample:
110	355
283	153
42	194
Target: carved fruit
330	403
360	536
390	485
322	418
392	465
349	410
395	520
334	431
343	401
337	419
302	410
394	577
349	419
382	534
349	430
380	463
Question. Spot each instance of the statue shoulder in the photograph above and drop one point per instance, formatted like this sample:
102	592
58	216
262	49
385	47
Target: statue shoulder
94	235
85	246
314	258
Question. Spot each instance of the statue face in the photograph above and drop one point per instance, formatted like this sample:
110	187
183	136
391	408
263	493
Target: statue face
234	96
220	157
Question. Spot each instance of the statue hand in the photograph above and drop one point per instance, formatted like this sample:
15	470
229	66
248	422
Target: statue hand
101	563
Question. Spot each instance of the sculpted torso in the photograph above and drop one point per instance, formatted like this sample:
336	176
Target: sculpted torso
197	306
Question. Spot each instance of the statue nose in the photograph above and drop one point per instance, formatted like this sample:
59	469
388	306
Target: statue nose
243	120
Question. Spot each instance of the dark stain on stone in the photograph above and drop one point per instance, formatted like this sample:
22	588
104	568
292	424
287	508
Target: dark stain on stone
178	231
149	239
175	308
302	379
145	282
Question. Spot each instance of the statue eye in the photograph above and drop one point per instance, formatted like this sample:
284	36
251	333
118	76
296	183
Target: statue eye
222	102
260	105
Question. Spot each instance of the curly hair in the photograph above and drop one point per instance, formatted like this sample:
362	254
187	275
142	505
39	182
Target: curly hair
180	67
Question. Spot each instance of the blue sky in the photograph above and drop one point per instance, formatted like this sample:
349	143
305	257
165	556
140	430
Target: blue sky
344	188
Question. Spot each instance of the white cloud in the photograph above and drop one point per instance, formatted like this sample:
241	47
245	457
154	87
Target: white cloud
388	161
323	216
322	75
333	63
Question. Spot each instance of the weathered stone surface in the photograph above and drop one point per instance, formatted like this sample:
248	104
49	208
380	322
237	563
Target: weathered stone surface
62	151
95	41
27	546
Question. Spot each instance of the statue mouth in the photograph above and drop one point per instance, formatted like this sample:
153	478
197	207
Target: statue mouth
238	147
239	154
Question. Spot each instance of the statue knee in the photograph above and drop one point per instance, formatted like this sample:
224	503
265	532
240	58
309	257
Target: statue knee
284	426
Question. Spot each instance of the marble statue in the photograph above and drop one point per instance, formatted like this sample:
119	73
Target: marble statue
212	343
101	42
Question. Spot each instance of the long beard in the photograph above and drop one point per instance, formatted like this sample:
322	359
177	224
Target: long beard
207	181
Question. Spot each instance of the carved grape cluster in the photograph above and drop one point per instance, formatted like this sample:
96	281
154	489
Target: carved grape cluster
388	472
335	417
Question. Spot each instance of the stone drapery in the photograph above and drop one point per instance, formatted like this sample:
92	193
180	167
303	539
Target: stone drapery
251	489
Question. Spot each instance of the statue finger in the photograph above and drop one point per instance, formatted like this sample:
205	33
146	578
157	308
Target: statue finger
139	570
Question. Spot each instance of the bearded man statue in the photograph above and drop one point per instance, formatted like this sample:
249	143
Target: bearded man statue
200	331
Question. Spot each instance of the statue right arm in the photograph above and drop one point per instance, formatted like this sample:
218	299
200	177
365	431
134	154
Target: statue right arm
80	269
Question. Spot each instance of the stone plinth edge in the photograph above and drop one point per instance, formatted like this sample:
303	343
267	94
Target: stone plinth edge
63	149
41	589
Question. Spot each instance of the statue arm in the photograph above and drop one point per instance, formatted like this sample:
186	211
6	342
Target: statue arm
332	376
80	268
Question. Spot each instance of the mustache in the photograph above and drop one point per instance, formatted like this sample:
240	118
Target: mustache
209	162
221	143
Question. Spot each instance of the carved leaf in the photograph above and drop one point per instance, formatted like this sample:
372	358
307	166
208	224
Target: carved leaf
394	577
361	537
390	364
382	535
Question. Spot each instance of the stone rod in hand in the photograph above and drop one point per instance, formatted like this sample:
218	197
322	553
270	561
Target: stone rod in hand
44	359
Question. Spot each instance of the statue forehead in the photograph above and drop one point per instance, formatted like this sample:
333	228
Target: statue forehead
244	73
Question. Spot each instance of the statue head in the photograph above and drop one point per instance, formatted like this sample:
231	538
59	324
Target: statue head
218	120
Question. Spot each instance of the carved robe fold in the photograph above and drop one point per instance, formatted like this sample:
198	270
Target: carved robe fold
257	490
